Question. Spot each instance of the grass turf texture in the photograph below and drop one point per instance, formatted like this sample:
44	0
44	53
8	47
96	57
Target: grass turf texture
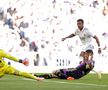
89	82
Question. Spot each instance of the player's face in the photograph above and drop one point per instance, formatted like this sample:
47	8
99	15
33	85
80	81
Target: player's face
86	56
80	25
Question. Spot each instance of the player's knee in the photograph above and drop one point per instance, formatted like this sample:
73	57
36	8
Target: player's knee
54	72
82	54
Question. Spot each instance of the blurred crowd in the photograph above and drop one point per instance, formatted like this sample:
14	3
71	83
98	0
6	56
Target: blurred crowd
39	25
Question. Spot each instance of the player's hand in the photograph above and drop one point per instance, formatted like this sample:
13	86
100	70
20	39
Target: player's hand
63	39
25	62
99	50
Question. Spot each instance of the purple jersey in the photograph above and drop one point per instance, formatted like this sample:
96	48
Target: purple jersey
80	71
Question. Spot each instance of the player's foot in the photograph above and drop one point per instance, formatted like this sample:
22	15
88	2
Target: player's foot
70	78
99	74
39	78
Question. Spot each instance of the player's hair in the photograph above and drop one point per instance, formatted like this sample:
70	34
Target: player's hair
80	20
89	51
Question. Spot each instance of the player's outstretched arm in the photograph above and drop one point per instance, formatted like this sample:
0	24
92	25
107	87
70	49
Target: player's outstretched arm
8	56
98	43
70	36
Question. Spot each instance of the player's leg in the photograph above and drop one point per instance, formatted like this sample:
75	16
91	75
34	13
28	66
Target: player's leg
46	76
1	75
1	72
90	53
56	73
98	74
89	49
13	71
28	75
61	73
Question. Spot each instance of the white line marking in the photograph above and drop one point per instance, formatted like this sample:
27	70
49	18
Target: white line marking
73	83
85	84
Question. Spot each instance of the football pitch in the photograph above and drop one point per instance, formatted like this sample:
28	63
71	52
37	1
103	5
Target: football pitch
89	82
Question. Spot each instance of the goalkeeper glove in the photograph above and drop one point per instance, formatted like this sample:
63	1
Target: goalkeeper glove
25	61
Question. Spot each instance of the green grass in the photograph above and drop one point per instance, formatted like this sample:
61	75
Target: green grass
89	82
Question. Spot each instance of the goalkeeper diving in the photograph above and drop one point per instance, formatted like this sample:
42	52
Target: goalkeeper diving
7	69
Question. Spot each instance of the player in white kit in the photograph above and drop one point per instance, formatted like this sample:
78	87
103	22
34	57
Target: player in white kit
85	36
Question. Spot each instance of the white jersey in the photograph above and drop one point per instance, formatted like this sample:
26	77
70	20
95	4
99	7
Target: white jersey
85	37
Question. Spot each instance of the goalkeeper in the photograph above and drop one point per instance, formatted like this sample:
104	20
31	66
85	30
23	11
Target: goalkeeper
7	69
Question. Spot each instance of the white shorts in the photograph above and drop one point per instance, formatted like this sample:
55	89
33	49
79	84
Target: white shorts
87	47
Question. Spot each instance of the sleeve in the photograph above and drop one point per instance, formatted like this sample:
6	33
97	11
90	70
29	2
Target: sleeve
76	32
8	56
89	33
